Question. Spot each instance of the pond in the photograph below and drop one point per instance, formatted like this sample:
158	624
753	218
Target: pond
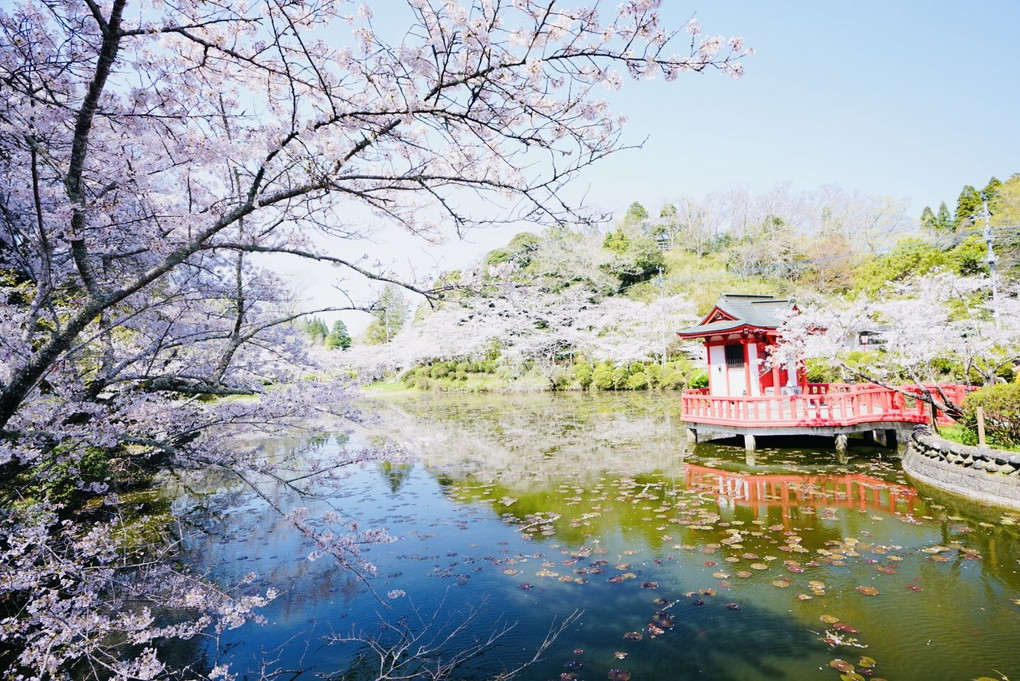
589	513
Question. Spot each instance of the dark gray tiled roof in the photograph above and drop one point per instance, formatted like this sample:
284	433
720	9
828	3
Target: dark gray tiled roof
751	310
756	310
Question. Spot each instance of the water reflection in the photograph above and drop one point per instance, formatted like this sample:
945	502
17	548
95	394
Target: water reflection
550	504
789	492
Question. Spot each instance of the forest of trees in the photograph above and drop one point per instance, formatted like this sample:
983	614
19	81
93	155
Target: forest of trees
584	308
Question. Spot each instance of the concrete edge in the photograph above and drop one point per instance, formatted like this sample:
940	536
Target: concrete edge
990	476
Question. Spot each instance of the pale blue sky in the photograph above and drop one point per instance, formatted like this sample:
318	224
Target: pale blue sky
910	100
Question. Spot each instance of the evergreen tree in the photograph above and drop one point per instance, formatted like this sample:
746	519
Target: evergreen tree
968	205
636	214
316	330
390	312
928	219
338	337
944	220
991	189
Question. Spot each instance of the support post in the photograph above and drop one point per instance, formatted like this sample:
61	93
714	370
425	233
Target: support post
880	436
841	441
692	436
749	443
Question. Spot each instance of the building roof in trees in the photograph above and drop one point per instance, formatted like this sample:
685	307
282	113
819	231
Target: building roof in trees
739	312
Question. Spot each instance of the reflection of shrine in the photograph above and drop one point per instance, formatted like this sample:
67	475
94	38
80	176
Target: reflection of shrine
857	492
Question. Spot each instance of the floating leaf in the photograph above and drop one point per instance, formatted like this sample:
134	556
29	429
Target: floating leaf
851	676
759	566
619	654
867	590
866	662
829	619
619	675
633	636
780	583
841	665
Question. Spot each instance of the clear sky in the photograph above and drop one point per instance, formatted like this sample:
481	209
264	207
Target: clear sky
911	100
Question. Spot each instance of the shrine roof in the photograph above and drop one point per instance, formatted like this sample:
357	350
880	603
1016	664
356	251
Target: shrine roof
735	311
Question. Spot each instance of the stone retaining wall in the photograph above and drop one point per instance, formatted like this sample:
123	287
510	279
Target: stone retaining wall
987	475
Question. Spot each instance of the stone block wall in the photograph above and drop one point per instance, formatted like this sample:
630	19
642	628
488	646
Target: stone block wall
988	475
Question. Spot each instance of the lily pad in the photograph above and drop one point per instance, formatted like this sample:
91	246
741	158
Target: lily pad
867	591
841	665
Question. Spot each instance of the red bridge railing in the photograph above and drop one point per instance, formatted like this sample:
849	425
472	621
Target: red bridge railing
823	404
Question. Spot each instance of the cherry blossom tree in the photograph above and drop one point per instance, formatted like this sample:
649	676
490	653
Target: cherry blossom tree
150	155
926	326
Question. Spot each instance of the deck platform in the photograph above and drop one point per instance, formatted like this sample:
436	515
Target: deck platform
823	409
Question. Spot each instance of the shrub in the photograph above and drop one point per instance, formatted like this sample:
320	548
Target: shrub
1001	405
620	375
602	377
654	374
637	381
582	372
698	379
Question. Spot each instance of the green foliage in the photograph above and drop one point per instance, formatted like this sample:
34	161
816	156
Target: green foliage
619	377
914	257
602	377
654	374
62	482
637	381
968	206
944	219
316	330
583	374
390	312
1001	406
338	338
698	379
636	214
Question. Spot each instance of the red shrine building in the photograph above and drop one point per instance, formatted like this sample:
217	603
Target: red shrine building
738	335
749	396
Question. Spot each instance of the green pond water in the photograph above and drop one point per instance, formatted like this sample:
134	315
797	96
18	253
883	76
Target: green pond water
525	512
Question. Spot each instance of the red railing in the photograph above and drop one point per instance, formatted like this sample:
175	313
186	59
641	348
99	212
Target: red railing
824	404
